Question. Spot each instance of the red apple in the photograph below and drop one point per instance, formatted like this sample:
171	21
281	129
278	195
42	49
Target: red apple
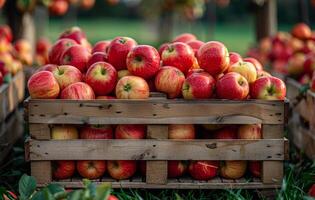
58	49
311	191
185	38
58	7
213	57
176	168
195	45
22	46
112	197
178	55
77	56
6	33
121	169
101	46
102	77
268	88
198	70
233	169
64	132
66	75
181	131
203	170
63	169
249	131
258	66
42	45
235	57
309	64
295	66
232	86
255	168
246	69
169	80
162	47
96	132
118	50
43	85
129	131
198	86
47	67
91	169
301	31
229	132
74	33
132	87
96	57
262	74
78	91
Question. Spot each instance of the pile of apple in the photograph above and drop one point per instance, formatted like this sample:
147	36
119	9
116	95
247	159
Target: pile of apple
124	169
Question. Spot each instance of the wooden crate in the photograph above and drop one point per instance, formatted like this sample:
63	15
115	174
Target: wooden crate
157	149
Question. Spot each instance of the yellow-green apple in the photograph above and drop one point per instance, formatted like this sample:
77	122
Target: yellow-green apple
102	77
185	37
118	50
121	169
213	57
43	85
122	73
228	132
198	86
105	97
232	86
96	132
181	131
233	169
255	168
295	65
169	80
203	170
249	131
132	87
63	169
101	46
143	61
262	74
58	49
64	132
195	45
246	69
87	4
301	31
258	66
91	169
235	58
58	7
78	90
66	75
6	33
268	88
178	55
77	56
96	57
176	168
130	131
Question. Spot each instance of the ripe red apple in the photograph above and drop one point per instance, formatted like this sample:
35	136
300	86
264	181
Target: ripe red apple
268	88
43	85
58	7
121	169
91	169
176	168
66	75
203	170
78	91
118	50
249	131
22	46
195	45
232	86
102	77
74	33
42	45
262	74
132	87
63	169
47	67
87	4
6	33
301	31
246	69
255	168
295	65
311	191
58	49
112	197
235	58
143	61
130	131
96	132
96	57
185	37
213	57
77	56
181	131
258	66
198	86
178	55
64	132
169	80
233	169
101	46
229	132
122	73
198	70
162	47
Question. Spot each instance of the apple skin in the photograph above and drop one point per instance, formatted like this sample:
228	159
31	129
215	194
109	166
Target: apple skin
66	75
77	56
42	45
64	132
105	97
185	38
169	80
78	91
296	64
235	58
213	57
262	74
176	168
132	87
258	66
198	86
121	169
162	47
101	46
203	170
301	31
246	69
96	132
122	73
249	131
143	61
311	191
233	169
118	50
63	169
58	49
91	169
102	77
74	33
268	88
309	64
96	57
87	4
6	33
112	197
178	55
22	45
255	168
43	85
130	131
229	132
47	67
181	131
232	86
195	45
198	70
58	7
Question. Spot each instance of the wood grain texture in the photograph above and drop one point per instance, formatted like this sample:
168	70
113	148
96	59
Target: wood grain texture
42	172
39	131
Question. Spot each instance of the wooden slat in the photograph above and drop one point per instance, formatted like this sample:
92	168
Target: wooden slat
39	131
41	170
158	149
155	111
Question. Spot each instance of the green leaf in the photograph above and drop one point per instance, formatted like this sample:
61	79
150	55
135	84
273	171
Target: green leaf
103	191
47	194
75	195
27	186
38	196
55	188
177	197
92	190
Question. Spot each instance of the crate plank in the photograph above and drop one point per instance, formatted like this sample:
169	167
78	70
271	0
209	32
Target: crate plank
41	170
39	131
